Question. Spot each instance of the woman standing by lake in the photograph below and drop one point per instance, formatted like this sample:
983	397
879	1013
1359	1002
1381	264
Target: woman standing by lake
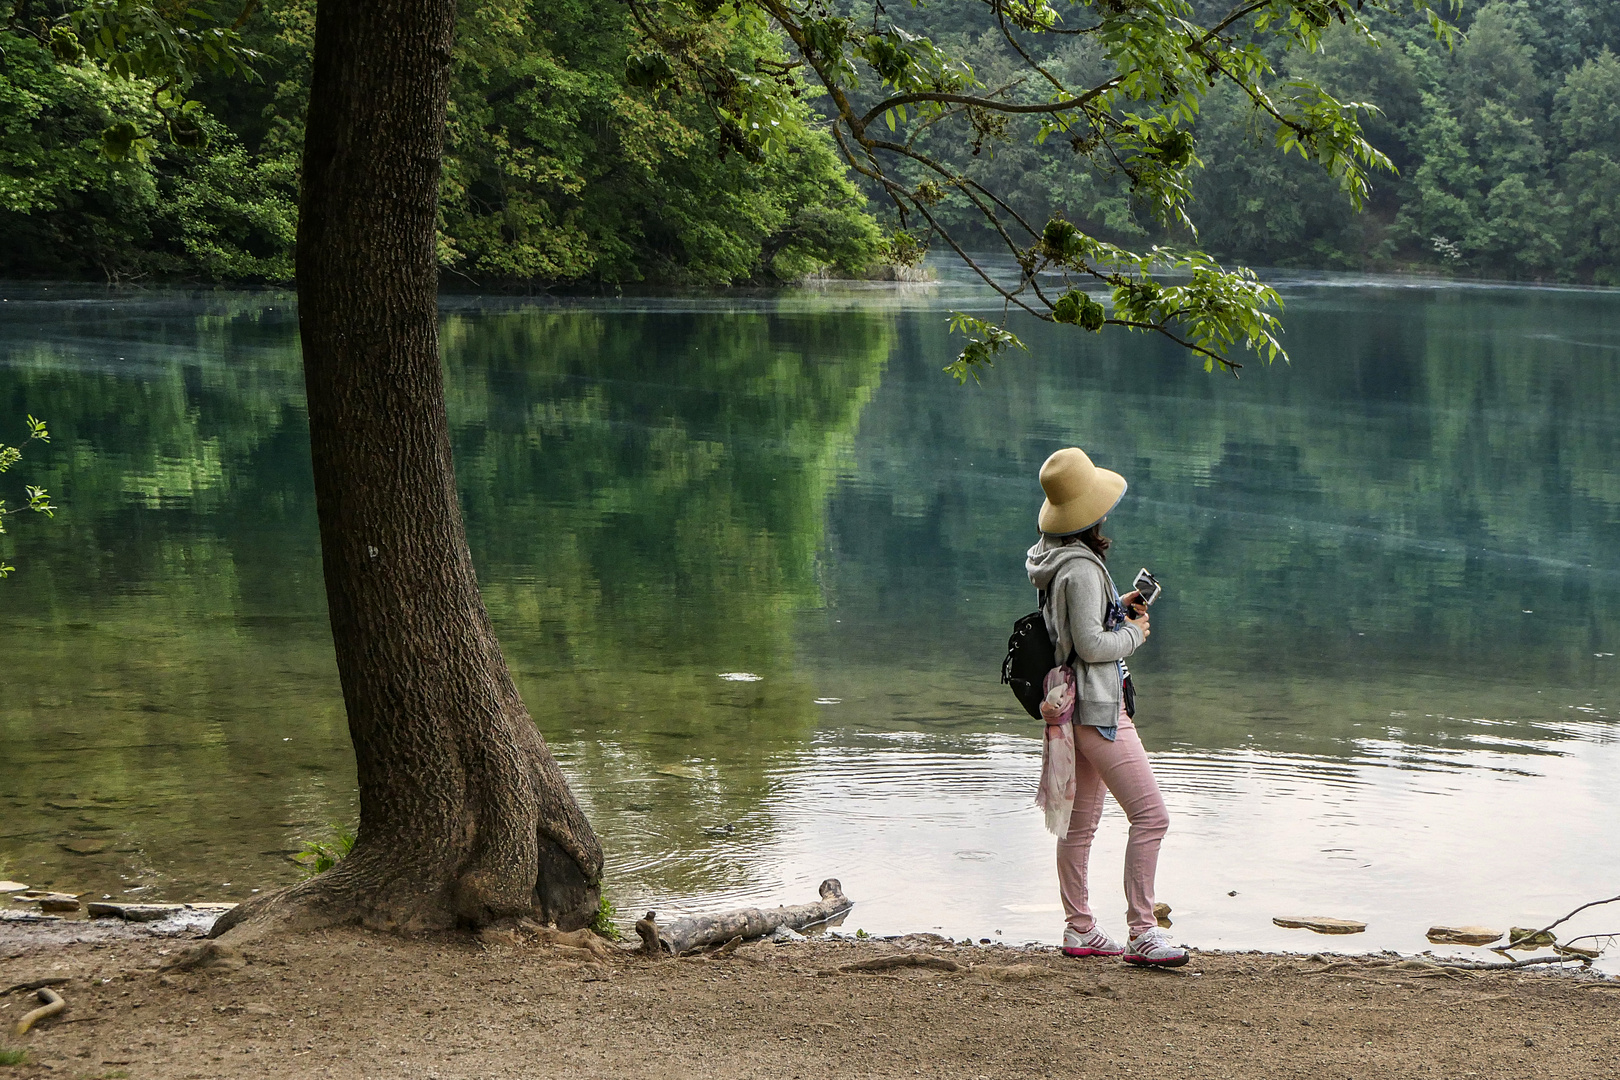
1093	631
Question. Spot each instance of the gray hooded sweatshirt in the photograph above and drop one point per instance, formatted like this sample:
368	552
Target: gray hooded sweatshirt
1078	589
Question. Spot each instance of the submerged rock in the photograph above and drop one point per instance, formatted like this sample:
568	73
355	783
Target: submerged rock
1463	935
1321	924
1523	937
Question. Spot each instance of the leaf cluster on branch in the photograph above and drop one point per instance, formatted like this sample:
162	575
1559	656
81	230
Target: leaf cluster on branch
887	86
163	46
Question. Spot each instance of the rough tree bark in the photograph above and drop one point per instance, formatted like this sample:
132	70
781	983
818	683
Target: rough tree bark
465	818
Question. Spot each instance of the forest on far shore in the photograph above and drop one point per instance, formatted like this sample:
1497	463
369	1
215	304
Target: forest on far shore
566	164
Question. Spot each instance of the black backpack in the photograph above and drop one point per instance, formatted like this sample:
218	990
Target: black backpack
1029	659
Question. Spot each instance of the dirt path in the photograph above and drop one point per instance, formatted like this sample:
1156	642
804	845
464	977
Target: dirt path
353	1004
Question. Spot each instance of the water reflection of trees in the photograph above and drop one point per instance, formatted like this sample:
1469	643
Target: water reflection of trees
1377	515
645	498
648	497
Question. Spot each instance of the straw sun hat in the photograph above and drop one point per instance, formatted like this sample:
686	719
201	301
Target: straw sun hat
1078	494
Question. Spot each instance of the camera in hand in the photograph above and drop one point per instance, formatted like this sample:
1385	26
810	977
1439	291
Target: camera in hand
1147	585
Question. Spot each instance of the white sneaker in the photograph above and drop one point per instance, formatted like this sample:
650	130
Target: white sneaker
1091	943
1151	949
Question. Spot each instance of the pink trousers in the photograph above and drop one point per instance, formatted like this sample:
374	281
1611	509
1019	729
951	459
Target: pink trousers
1120	767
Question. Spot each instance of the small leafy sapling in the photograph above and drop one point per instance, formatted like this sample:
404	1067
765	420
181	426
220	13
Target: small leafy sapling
35	498
319	856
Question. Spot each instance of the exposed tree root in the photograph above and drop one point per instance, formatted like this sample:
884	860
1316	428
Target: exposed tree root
903	960
53	1005
1486	965
1431	967
579	944
370	890
34	985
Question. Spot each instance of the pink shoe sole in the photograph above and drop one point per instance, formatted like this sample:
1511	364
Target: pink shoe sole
1068	951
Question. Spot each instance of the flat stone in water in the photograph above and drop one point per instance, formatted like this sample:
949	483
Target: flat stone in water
83	847
26	917
1321	924
12	886
48	900
1463	935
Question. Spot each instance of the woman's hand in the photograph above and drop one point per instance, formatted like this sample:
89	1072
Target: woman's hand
1132	602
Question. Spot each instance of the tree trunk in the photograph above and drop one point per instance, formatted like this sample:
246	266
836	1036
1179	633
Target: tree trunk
464	816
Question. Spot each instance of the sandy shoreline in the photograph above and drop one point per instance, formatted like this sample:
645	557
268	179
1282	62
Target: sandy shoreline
354	1004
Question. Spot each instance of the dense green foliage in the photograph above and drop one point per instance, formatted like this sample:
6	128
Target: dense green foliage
575	155
108	168
557	167
1506	148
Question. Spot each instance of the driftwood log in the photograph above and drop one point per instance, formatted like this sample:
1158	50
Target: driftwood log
684	935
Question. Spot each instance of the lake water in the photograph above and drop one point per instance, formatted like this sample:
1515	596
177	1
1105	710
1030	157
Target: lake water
1381	685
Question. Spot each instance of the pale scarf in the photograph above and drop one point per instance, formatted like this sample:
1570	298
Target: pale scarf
1057	789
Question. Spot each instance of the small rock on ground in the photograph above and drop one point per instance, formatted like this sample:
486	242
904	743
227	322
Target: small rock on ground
1012	973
